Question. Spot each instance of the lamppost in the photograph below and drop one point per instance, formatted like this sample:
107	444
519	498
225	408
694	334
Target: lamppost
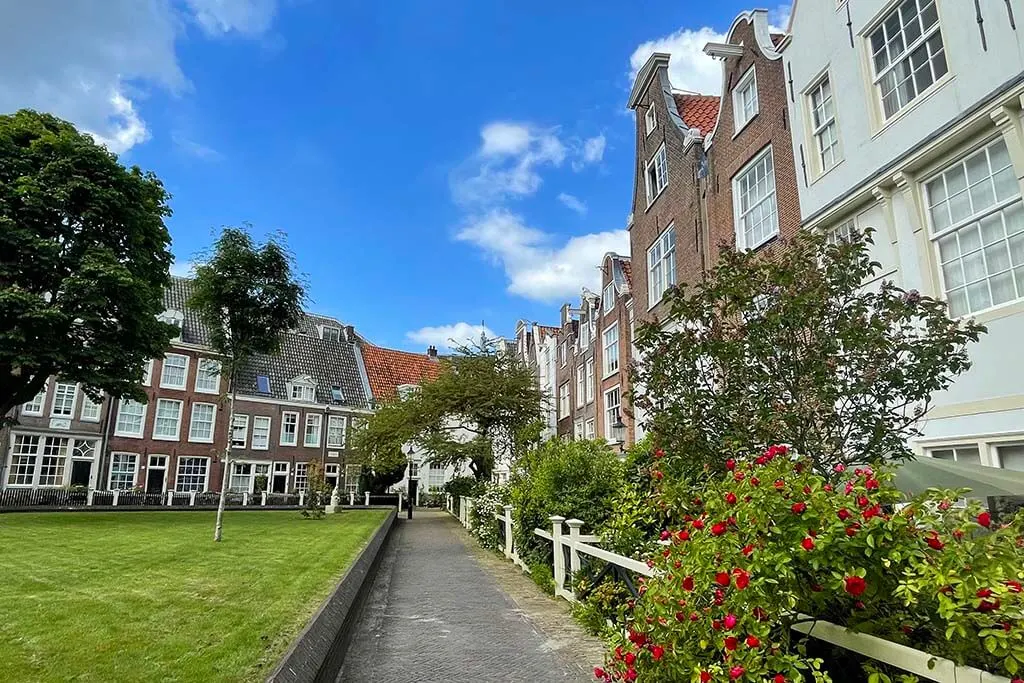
411	487
619	433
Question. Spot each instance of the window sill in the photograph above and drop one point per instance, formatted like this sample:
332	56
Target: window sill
918	101
165	438
761	244
90	420
1010	308
819	176
164	386
61	417
122	435
212	392
191	440
288	445
652	200
746	123
311	445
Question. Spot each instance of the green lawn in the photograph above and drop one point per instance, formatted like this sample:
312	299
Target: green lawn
148	596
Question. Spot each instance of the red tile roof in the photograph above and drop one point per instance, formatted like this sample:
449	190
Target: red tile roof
698	111
388	369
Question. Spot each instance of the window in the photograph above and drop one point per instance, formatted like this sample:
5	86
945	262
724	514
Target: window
147	373
174	371
352	473
757	217
208	376
978	224
612	416
35	406
172	317
1012	457
611	349
823	125
337	395
962	454
289	429
201	427
332	334
130	418
661	265
64	399
167	424
263	384
336	425
123	467
843	232
589	432
608	297
239	431
23	460
584	337
590	380
908	54
301	476
241	477
260	432
657	174
90	409
577	430
650	119
744	99
581	395
192	474
562	355
302	390
563	400
435	477
312	436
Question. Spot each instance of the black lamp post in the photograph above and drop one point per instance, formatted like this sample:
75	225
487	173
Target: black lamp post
411	488
618	433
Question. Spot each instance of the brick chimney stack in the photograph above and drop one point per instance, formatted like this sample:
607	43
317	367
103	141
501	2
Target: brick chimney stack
432	351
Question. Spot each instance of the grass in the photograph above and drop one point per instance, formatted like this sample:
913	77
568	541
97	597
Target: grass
148	596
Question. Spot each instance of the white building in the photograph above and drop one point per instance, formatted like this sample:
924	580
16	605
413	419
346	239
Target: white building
906	116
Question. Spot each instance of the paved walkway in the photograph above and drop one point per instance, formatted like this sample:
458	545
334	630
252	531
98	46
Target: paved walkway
440	610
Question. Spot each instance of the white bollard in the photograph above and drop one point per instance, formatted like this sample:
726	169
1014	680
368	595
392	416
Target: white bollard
170	498
574	555
88	498
351	498
508	531
192	499
117	496
399	502
367	499
245	498
559	558
263	498
302	499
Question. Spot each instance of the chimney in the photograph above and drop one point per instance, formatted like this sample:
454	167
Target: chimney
350	333
432	351
566	315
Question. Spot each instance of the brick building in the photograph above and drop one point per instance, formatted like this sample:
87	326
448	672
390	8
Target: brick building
535	346
614	352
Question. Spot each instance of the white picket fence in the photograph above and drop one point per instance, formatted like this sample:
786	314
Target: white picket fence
927	666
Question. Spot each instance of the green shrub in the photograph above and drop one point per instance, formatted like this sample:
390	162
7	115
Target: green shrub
486	504
542	575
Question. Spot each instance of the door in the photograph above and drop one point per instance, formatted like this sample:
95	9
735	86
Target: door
81	472
279	482
156	474
331	476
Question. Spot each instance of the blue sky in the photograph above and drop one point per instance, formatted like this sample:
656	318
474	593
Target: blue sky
433	169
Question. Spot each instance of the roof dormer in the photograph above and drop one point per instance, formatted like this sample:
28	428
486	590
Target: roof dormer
302	388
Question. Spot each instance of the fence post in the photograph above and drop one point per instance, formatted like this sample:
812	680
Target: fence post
302	499
559	557
263	498
399	502
170	498
245	498
351	498
88	498
470	504
574	555
508	531
117	496
367	499
191	499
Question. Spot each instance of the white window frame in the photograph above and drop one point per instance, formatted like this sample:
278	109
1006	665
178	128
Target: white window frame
313	420
842	233
770	196
38	402
563	353
747	82
1010	205
590	380
606	348
284	423
658	164
333	422
577	430
142	420
608	409
156	420
306	390
581	397
90	416
244	441
190	461
205	374
57	393
905	57
147	373
650	118
334	333
955	448
163	372
119	455
192	423
589	430
563	400
608	297
302	475
661	265
265	424
821	123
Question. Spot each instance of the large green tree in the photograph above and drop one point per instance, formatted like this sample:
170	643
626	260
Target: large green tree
485	404
248	295
84	263
792	348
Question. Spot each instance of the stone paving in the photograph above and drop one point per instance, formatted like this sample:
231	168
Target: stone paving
441	609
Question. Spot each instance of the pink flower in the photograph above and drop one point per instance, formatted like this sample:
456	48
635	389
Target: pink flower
730	621
599	672
871	484
844	514
840	468
658	453
736	672
665	534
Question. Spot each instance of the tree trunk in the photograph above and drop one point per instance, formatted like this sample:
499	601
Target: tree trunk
217	529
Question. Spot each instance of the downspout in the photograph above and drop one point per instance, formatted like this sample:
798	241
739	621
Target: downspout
103	455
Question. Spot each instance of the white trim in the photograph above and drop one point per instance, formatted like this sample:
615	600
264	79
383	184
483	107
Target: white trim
245	431
650	119
74	399
156	420
163	372
319	429
749	76
664	264
147	373
206	472
606	373
135	470
142	421
199	372
738	226
298	415
86	401
604	409
45	393
590	365
654	193
280	402
192	419
581	386
344	431
270	427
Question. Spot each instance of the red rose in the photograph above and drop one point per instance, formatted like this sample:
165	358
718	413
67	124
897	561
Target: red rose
827	487
599	672
984	593
722	579
705	676
680	616
730	498
688	583
657	652
698	524
754	481
799	508
742	578
658	475
988	605
808	543
780	484
840	468
665	534
807	490
639	639
716	624
718	528
630	659
736	672
958	534
659	453
683	535
985	519
752	641
849	488
630	675
779	678
730	464
748	549
934	542
731	642
851	530
855	585
863	502
730	621
618	652
871	484
739	476
844	514
1014	586
873	511
694	617
719	596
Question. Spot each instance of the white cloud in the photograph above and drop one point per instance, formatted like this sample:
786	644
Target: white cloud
537	267
195	149
91	62
689	69
182	268
447	337
778	18
247	17
590	152
507	163
573	203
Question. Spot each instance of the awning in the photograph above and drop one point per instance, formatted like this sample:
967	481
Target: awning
924	473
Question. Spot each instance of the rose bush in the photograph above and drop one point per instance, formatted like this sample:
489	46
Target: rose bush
771	540
490	500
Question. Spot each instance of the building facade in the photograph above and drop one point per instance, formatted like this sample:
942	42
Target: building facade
908	117
536	347
615	418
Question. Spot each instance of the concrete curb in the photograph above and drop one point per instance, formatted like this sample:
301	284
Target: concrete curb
316	655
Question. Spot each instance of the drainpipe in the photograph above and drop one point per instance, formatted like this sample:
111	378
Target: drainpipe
101	454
